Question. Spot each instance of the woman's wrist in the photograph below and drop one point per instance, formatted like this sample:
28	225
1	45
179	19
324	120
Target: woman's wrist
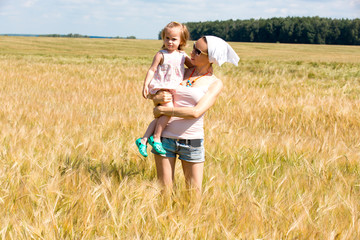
162	110
168	111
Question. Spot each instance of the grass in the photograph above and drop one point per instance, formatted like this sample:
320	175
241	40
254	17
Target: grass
282	145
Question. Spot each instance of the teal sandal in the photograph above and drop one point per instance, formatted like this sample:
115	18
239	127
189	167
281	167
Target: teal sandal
157	146
142	147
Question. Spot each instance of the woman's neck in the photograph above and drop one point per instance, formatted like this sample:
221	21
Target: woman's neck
200	70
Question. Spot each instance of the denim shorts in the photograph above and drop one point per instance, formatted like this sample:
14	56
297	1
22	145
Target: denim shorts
190	150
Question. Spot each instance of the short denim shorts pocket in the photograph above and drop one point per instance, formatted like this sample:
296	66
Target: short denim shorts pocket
193	151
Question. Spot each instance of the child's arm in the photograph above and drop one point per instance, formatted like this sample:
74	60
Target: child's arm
188	61
151	72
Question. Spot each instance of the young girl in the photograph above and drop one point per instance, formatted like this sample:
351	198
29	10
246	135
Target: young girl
166	73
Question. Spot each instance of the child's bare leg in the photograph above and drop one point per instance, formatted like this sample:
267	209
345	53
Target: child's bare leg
149	131
161	124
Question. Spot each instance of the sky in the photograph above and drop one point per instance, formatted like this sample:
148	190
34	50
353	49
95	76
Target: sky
144	19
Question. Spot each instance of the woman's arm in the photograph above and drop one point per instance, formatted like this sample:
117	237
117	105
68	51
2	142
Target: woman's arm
193	112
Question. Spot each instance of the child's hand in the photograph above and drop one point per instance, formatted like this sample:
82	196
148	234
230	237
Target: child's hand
145	92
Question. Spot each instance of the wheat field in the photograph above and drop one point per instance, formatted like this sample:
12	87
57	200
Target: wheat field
282	145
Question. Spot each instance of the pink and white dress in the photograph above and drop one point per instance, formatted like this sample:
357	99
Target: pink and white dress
169	74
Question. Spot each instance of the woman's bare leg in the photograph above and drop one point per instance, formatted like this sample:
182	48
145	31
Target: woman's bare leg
193	173
165	168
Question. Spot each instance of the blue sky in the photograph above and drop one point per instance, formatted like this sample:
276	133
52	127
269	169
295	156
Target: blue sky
145	18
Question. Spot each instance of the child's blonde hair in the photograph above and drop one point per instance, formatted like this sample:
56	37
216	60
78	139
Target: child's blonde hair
184	35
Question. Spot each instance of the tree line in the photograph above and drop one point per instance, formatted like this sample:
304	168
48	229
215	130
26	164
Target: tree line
76	35
70	35
312	30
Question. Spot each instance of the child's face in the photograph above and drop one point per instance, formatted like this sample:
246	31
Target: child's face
172	38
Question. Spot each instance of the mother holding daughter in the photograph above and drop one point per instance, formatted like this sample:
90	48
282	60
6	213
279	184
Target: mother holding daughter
183	136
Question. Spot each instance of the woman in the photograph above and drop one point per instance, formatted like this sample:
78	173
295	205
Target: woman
184	134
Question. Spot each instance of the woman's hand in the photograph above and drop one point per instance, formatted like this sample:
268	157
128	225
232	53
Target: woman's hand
161	97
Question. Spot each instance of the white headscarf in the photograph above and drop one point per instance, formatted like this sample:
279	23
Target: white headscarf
220	51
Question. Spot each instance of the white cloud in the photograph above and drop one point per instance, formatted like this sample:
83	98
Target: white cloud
356	4
29	3
79	2
271	10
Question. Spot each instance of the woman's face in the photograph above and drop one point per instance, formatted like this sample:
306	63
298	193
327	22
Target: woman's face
199	53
